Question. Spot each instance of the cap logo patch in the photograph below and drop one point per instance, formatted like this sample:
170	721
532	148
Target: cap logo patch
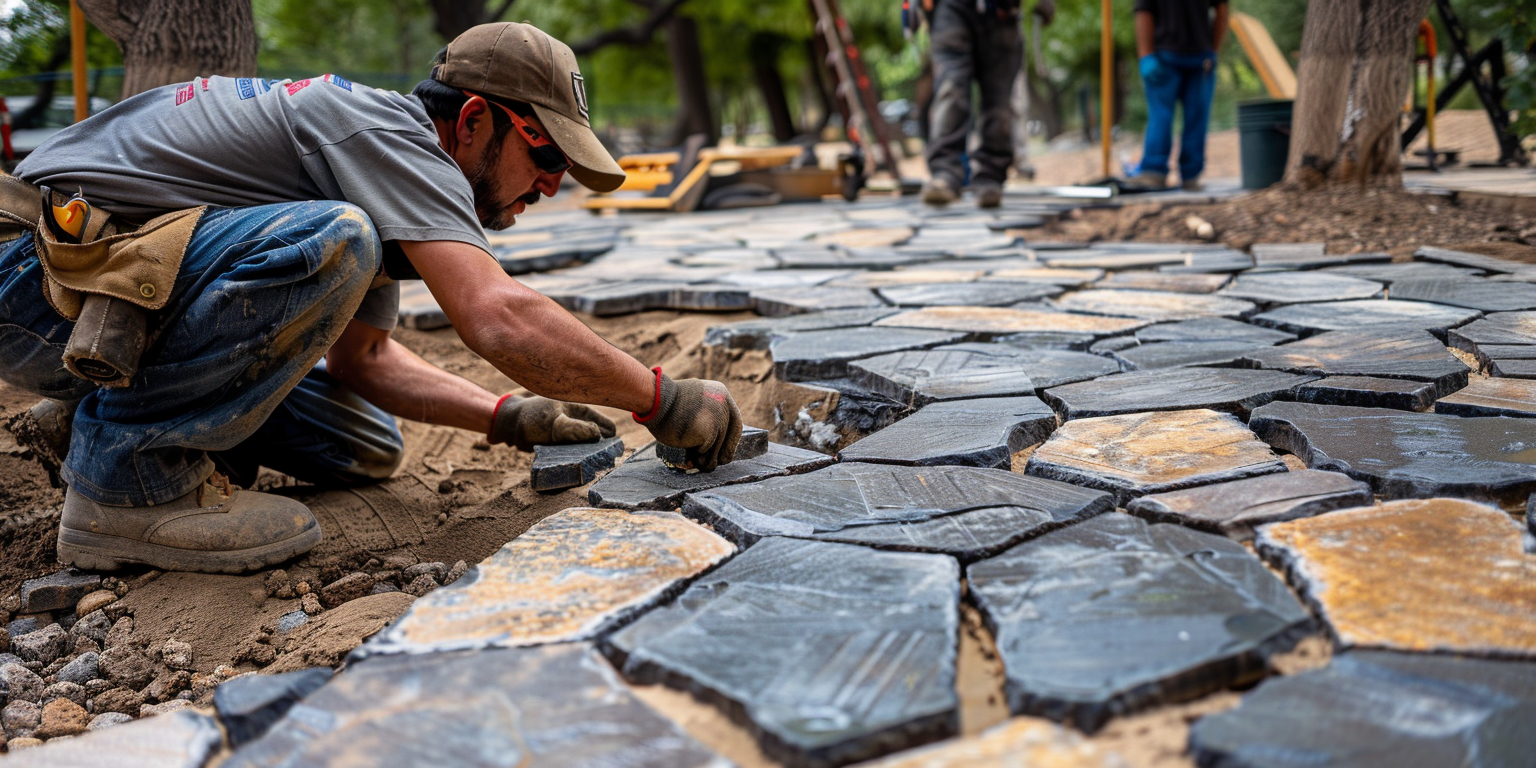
579	90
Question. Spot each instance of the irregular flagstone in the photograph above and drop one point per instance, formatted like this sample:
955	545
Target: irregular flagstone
1488	353
784	278
752	444
1279	256
1492	397
1211	260
967	512
984	432
964	371
993	321
644	482
1144	453
1212	329
1407	455
1070	278
1071	342
1513	368
1179	354
852	258
418	309
542	257
778	302
1399	353
1153	305
556	467
816	355
1018	743
1369	392
1391	273
1486	295
1093	258
831	653
1376	709
1464	259
1113	615
558	705
573	576
1497	328
867	237
908	277
967	294
1140	280
1235	508
1234	390
182	739
758	334
248	705
1426	575
1356	314
1302	287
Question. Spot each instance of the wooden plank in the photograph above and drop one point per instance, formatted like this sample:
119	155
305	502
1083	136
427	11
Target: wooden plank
1279	79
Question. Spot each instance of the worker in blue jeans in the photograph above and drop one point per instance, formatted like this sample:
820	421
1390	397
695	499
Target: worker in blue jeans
1176	45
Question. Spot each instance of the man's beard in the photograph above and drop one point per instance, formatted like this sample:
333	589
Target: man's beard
485	183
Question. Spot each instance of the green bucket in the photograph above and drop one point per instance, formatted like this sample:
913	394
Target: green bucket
1264	140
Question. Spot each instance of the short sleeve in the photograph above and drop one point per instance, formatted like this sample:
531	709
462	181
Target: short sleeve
380	307
1148	6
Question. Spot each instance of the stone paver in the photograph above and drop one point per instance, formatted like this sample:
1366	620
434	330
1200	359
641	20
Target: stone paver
1018	743
964	371
967	512
1180	354
184	739
1355	314
558	705
984	432
1234	390
1143	453
1071	278
1113	615
1499	335
248	705
1407	455
556	467
1391	273
1426	575
1492	397
572	576
644	482
1374	709
752	444
418	309
1212	329
759	334
57	591
967	294
1465	259
1400	353
1301	287
996	321
817	355
778	302
1153	305
1473	293
1369	392
1235	508
1147	280
852	650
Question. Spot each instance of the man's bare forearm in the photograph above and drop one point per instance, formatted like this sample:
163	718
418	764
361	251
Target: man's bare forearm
387	374
1145	28
1219	28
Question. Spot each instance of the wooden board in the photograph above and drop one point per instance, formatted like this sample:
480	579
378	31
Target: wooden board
1272	66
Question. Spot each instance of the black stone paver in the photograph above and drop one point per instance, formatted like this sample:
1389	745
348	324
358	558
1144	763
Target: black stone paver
1356	314
1212	329
644	482
752	444
778	302
1180	354
1473	293
1158	306
1401	353
815	355
1492	397
991	294
1464	259
1276	288
556	467
248	705
984	432
1233	390
758	334
1235	508
1369	392
963	371
1391	273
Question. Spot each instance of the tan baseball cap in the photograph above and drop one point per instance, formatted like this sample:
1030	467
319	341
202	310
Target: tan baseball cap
520	62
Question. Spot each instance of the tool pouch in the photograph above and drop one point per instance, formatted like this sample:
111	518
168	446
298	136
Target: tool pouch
108	340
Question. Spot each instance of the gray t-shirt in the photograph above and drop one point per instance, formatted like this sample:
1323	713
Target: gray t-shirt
229	142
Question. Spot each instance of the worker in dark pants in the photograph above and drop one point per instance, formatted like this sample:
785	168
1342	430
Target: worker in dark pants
976	40
1176	45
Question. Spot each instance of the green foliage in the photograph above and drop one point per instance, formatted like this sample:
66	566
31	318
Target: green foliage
36	33
1516	20
385	43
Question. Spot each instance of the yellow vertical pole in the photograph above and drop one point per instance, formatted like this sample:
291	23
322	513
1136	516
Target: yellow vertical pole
77	60
1106	83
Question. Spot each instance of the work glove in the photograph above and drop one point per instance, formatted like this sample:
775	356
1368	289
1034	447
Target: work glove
698	415
528	421
1046	10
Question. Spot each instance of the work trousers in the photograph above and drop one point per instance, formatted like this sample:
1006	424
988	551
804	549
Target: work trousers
1178	79
231	365
969	45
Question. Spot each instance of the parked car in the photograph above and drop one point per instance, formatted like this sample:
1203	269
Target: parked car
60	114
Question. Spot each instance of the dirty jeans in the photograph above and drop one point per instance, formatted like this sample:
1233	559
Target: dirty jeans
262	293
1183	79
970	45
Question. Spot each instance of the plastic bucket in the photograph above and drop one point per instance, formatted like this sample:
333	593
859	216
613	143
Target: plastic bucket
1264	140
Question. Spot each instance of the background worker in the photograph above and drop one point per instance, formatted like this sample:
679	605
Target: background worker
321	192
1176	46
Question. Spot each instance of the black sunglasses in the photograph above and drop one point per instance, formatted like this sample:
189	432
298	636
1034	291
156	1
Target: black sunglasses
545	154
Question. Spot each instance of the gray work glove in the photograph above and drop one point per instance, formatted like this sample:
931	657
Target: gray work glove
698	415
529	421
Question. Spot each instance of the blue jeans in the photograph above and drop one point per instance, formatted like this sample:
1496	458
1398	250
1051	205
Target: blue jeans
1177	78
262	294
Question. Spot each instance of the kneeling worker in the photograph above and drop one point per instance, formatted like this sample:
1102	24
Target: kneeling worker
255	230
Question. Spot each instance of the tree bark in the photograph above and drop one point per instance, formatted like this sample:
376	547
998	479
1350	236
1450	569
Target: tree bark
764	52
172	41
1354	72
694	113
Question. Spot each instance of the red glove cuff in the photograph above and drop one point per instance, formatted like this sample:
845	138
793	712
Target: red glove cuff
656	405
494	411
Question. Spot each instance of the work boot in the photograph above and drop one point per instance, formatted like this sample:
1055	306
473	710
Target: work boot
1191	185
217	528
989	195
1145	181
939	191
44	429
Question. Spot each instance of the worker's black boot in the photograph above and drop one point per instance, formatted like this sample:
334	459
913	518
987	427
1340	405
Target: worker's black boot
217	528
44	430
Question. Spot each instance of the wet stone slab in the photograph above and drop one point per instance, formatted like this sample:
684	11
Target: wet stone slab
1018	743
829	653
1113	615
1301	287
1212	329
1424	575
573	576
963	371
1156	306
1180	354
778	302
759	334
644	482
1369	392
817	355
984	432
1355	314
1144	453
1234	509
1473	293
1376	709
984	322
1492	397
1399	353
558	705
967	294
1148	280
183	739
556	467
1234	390
967	512
1408	455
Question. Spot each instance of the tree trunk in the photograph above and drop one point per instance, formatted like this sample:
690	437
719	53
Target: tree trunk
764	52
1354	71
172	41
694	113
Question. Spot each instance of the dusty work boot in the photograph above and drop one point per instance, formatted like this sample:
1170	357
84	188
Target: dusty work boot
989	195
939	191
44	429
1191	185
216	528
1146	181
